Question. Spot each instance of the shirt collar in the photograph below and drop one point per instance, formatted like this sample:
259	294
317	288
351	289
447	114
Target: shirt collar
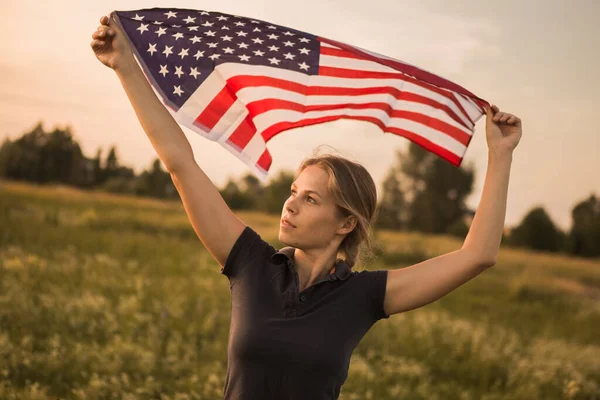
342	269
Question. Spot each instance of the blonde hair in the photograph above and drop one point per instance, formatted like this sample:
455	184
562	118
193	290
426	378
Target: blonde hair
354	193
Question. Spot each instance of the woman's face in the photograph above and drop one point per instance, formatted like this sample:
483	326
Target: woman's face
311	210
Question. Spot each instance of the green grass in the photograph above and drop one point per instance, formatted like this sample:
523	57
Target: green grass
103	296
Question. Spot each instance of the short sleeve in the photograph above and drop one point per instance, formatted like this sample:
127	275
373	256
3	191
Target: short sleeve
249	248
375	291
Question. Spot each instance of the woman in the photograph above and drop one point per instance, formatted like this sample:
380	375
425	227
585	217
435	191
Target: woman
298	313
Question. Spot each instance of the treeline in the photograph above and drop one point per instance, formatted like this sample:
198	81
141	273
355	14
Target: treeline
421	192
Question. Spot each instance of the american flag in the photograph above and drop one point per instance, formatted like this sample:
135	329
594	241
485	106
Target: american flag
240	81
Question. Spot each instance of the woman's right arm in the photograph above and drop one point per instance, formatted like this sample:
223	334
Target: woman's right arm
215	224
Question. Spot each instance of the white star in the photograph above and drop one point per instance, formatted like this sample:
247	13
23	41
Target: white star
193	28
256	30
152	49
170	14
225	27
304	51
288	33
274	61
189	20
183	53
222	18
178	35
289	56
161	31
228	50
196	39
272	36
199	54
207	24
177	90
226	38
259	53
244	57
142	28
138	18
213	45
168	50
157	23
194	72
288	43
271	27
242	45
176	26
304	40
214	56
273	48
239	23
257	41
255	22
241	33
210	33
304	65
163	70
178	71
204	13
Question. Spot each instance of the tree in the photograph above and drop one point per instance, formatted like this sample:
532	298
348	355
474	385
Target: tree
427	192
392	205
277	192
233	195
584	237
111	164
536	231
252	190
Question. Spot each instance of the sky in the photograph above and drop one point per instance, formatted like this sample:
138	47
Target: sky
535	59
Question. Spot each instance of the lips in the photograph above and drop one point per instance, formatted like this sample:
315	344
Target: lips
284	220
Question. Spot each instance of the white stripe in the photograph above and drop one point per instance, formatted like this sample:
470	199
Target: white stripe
268	119
229	70
197	102
354	64
251	94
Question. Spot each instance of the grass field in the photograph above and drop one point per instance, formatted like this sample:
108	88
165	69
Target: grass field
103	296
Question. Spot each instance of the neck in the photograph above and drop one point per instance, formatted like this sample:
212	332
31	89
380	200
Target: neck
312	267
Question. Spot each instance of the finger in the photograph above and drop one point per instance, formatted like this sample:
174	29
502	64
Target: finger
495	108
104	20
498	116
97	43
505	117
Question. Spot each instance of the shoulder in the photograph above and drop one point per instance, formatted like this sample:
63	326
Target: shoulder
373	285
250	248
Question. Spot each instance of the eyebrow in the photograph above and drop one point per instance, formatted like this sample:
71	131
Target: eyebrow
309	191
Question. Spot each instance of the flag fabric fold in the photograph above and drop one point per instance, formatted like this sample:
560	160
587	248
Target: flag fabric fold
240	81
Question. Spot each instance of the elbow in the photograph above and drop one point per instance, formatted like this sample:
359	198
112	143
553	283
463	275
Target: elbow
483	261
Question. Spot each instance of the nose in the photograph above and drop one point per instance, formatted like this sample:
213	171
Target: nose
289	207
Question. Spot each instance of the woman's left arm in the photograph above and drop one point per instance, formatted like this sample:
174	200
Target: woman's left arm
420	284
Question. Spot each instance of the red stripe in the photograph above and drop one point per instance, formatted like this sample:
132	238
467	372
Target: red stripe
243	133
265	160
261	106
405	68
354	74
416	138
245	81
217	107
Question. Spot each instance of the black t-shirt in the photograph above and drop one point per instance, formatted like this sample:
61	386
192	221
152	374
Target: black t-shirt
290	345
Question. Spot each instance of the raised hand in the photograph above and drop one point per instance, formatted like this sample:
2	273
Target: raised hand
503	130
110	45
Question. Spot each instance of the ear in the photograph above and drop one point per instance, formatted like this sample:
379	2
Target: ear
349	225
